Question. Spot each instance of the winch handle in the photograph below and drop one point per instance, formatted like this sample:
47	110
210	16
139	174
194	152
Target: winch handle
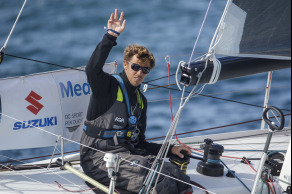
271	124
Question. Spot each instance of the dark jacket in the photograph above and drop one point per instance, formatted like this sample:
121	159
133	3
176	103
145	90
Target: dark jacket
104	94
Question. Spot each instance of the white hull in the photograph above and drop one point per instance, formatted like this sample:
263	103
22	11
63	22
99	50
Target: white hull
43	181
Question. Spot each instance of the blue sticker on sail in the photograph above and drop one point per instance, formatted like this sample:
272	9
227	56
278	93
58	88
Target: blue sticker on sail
71	90
45	122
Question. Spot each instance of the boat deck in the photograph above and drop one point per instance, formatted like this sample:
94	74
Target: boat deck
249	144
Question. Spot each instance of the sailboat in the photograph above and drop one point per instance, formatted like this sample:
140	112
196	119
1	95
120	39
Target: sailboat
253	35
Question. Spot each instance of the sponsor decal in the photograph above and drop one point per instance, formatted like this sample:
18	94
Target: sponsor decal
35	108
120	120
73	121
33	99
70	90
45	122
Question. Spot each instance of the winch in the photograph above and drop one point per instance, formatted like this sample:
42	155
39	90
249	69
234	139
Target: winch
210	166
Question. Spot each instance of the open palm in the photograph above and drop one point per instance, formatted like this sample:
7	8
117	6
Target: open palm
115	23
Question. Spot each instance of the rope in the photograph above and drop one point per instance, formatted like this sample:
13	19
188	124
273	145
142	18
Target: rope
80	191
200	32
213	94
168	68
28	59
11	161
216	70
103	152
236	176
167	142
223	126
156	86
13	27
224	99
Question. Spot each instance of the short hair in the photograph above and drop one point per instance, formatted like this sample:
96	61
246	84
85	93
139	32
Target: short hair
141	52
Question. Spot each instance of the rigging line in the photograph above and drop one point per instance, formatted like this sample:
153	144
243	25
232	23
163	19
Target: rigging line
190	143
44	169
219	25
200	32
28	59
158	79
169	91
30	178
13	27
236	176
181	55
218	98
80	191
130	162
213	94
223	126
166	145
78	69
164	150
174	73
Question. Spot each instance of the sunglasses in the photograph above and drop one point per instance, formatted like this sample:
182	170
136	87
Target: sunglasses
137	67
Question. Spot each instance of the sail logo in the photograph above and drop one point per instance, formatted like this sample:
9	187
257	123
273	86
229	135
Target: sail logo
45	122
33	99
70	90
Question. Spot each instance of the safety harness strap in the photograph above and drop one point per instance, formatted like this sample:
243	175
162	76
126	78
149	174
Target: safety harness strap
140	101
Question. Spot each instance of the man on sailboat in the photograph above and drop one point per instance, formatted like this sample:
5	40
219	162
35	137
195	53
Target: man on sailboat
116	119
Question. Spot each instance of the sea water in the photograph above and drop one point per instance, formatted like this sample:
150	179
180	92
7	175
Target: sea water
65	32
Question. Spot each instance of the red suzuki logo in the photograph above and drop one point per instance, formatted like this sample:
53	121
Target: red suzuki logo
33	98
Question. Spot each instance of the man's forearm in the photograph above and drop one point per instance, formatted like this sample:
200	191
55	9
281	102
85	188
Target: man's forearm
100	54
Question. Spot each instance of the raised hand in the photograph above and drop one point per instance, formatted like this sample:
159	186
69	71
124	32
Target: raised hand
115	24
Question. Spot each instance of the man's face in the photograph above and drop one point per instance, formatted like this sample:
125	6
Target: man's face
135	77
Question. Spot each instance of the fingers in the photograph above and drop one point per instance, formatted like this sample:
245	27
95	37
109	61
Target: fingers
111	17
177	151
181	155
124	24
188	150
116	14
121	17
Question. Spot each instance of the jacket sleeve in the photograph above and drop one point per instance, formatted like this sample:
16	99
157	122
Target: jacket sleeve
153	148
100	81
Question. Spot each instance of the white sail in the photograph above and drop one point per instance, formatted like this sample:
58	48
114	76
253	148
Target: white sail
255	28
55	101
